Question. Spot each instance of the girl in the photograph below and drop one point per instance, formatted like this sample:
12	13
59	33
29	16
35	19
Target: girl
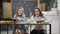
38	17
20	17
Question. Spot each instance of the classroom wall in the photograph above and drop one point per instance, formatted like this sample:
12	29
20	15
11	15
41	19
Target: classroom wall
53	18
6	9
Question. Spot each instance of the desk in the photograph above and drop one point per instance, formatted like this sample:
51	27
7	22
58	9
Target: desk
6	22
29	25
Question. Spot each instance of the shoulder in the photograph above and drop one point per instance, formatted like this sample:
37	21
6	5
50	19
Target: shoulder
23	14
44	17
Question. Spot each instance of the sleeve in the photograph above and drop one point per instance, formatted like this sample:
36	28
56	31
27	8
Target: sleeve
45	19
14	16
24	18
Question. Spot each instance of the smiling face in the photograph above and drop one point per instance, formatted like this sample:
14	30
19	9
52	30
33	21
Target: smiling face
20	11
37	12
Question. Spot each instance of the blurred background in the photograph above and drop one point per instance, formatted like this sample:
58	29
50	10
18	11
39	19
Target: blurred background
50	9
9	6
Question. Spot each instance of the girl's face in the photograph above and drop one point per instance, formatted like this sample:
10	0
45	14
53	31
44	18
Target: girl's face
20	12
36	12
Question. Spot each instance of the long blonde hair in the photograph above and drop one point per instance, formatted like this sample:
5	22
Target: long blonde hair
18	9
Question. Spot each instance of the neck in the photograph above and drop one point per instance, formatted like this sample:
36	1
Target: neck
20	15
37	15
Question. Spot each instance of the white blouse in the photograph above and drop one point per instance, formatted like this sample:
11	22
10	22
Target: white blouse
34	20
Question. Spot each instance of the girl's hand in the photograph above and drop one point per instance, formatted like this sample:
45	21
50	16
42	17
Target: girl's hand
19	19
